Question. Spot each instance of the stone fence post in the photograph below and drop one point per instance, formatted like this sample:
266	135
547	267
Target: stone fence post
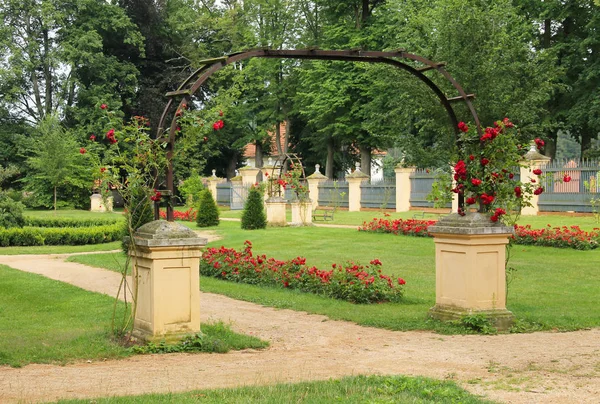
354	191
403	188
533	159
213	182
166	283
249	175
313	185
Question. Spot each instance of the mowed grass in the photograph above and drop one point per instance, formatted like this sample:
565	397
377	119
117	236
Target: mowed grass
553	288
47	321
357	389
43	321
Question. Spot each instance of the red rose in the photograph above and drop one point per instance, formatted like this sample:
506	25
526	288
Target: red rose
537	171
476	182
484	161
156	197
92	137
471	157
110	133
567	178
401	281
220	113
463	127
102	169
533	181
103	106
471	201
538	191
511	176
494	218
499	212
539	143
518	192
82	150
507	123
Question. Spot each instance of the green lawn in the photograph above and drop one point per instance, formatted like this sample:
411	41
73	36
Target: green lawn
358	389
47	321
556	288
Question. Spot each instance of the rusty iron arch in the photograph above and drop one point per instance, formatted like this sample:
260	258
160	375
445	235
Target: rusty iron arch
210	66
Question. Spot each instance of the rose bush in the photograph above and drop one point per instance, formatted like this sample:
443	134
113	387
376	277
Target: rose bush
351	281
561	237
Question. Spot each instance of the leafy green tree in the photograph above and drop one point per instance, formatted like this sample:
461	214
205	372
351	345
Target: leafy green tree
208	213
58	165
254	216
11	212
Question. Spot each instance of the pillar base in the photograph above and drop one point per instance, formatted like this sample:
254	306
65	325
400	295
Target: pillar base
502	319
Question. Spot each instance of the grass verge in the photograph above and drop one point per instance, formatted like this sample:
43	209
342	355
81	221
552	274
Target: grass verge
47	321
357	389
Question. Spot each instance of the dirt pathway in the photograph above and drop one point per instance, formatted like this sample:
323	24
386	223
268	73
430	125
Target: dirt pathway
520	368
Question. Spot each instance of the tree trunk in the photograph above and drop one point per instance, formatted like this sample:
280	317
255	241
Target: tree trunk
365	159
550	147
329	162
586	141
258	158
230	173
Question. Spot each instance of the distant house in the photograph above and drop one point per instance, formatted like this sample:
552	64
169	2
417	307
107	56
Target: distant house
250	148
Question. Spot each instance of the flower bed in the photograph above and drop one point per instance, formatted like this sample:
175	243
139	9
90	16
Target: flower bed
409	227
351	282
188	216
561	237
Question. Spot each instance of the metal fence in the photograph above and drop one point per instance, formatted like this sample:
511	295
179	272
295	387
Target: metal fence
421	183
224	193
378	194
333	193
572	196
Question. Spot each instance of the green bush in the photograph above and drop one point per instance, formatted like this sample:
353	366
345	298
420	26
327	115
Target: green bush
11	212
34	236
208	213
67	222
191	190
254	216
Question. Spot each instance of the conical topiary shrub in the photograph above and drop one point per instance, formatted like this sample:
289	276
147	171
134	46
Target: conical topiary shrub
254	216
208	213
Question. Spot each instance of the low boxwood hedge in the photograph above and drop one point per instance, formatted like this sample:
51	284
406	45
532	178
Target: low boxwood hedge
67	222
33	236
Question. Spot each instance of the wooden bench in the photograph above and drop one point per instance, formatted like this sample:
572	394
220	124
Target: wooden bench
324	213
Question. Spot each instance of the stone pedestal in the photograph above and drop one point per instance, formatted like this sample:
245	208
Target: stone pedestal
166	262
212	184
302	213
275	208
97	203
403	188
470	253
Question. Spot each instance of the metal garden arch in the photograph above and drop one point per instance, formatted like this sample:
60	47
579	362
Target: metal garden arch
190	85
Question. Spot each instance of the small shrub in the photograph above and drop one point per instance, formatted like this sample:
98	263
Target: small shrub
11	212
67	222
208	213
191	190
254	216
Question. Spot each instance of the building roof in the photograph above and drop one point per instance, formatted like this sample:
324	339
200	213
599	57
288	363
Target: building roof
250	148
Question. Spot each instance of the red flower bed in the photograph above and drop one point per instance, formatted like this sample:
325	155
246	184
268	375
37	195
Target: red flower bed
351	282
561	237
410	227
189	215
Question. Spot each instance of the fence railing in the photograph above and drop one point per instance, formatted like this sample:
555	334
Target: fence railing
333	193
378	194
575	195
421	184
224	193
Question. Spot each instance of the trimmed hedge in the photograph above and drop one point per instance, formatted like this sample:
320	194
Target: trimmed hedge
32	236
66	222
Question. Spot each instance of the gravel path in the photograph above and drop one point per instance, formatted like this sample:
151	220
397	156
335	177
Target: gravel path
519	368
